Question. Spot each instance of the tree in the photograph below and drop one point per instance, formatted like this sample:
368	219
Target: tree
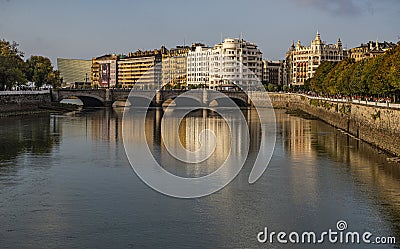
272	88
317	82
54	79
379	76
285	88
9	49
12	66
356	83
41	72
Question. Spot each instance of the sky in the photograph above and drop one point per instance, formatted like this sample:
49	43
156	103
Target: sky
86	29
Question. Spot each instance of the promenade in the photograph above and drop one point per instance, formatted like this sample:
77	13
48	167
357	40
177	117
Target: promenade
354	101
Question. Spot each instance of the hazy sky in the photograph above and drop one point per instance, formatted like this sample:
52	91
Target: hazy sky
84	29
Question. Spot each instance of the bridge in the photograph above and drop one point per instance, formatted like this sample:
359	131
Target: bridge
106	97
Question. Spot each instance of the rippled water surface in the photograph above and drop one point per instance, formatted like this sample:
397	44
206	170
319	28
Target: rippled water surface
65	182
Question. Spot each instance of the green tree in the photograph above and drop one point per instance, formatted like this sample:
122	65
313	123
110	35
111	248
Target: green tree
357	85
317	83
272	88
55	79
379	76
12	66
41	72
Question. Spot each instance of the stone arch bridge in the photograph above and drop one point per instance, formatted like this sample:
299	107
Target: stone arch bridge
106	97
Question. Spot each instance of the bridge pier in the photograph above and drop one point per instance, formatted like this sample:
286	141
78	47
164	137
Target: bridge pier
158	99
109	99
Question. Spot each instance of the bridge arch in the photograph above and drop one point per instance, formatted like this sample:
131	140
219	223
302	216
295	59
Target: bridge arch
225	102
88	100
182	101
106	97
140	101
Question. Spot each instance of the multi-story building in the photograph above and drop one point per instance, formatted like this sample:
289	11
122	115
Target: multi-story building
142	67
104	71
74	71
198	65
288	66
305	60
235	61
174	66
370	50
273	72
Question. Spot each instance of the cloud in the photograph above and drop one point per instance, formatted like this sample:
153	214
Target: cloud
338	7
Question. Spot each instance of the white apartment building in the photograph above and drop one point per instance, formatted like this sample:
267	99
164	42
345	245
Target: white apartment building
233	61
198	65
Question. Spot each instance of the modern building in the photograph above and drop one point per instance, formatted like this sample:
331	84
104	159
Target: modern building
74	71
174	67
235	61
140	67
306	59
104	71
370	50
198	65
273	72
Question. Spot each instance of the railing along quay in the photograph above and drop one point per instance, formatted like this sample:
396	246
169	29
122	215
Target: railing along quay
356	101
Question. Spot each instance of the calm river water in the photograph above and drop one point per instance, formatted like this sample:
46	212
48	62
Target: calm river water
65	182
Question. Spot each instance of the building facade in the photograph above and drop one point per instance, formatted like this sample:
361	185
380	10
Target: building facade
104	71
198	65
235	61
174	67
306	59
142	67
273	72
370	50
74	71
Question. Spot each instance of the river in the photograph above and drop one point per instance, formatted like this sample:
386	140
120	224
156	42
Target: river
65	182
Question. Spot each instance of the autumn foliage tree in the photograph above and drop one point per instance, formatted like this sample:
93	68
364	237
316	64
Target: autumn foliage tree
379	76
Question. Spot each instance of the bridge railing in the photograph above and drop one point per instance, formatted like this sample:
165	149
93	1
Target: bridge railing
355	101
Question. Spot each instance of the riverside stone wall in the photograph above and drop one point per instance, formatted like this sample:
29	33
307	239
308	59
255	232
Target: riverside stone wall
379	126
23	102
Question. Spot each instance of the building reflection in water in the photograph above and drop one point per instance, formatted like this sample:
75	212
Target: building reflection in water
305	142
107	125
296	137
187	136
367	165
308	142
312	160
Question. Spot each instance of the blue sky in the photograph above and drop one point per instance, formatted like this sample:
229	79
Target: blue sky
84	29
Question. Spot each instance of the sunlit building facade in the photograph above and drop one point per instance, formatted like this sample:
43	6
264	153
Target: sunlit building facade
198	65
370	50
104	71
140	67
306	59
235	61
174	67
